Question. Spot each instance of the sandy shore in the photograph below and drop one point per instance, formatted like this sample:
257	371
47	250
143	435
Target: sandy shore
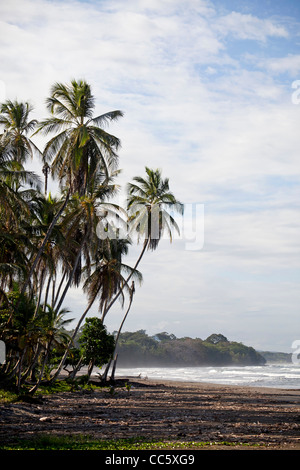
164	410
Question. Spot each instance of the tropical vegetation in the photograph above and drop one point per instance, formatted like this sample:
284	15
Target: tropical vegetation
138	349
50	243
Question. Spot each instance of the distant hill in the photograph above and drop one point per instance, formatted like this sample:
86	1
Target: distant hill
276	357
137	349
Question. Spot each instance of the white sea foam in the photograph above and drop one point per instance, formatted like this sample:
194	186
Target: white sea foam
286	376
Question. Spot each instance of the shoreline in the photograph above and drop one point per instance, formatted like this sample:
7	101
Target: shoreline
165	410
271	375
211	385
204	384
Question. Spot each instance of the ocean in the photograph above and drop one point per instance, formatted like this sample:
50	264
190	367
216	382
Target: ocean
285	376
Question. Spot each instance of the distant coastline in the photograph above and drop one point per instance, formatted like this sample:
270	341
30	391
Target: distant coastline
273	357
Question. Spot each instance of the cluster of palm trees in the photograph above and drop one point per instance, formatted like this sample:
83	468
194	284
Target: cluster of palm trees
49	244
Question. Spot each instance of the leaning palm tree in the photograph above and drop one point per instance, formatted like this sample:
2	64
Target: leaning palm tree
81	149
104	279
148	202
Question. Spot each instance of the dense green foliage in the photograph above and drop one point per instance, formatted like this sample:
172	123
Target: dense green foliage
96	344
139	349
49	244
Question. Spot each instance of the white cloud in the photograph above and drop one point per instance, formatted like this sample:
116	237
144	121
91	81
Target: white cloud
289	64
244	26
220	124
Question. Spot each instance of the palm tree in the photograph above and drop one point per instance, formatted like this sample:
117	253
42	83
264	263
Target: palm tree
53	324
104	280
81	150
15	149
17	188
44	209
14	118
81	221
147	206
148	202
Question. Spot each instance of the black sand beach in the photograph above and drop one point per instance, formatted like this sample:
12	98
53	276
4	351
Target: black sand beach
175	411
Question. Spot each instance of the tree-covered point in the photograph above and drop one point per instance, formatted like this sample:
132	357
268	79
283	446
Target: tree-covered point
165	350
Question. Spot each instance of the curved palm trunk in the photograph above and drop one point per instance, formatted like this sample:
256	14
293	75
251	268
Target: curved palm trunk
72	274
63	360
146	243
118	335
39	297
47	292
35	387
31	367
59	289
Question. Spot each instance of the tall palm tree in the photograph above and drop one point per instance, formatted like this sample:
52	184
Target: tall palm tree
44	209
148	202
81	221
81	150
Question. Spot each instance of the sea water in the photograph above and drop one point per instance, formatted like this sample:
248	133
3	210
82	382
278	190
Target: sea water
285	376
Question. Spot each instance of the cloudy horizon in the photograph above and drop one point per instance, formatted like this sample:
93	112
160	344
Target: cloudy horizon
210	94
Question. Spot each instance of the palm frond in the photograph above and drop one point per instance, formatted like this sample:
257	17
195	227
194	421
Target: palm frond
105	119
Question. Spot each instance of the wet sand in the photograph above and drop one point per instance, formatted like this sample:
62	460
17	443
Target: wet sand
164	410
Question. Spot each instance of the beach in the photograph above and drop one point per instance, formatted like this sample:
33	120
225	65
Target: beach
263	418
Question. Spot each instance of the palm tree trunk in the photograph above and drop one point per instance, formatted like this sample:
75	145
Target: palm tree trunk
72	273
118	335
31	367
47	292
112	378
146	243
35	387
53	289
104	376
40	296
59	289
20	369
63	360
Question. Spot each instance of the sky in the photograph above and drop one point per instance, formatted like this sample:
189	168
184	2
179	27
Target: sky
210	92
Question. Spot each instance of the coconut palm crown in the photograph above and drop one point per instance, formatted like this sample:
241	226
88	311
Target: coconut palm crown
149	200
81	148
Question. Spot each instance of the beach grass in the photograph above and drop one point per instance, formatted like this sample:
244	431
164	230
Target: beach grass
10	395
82	442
